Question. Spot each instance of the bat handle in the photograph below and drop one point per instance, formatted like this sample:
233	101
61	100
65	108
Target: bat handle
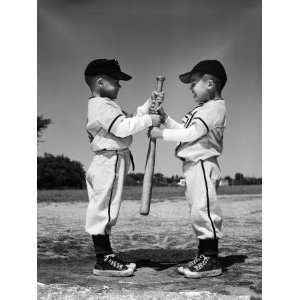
159	87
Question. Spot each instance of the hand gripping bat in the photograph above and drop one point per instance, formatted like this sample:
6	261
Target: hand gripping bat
150	160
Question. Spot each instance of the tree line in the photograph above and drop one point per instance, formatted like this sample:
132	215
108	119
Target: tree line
161	180
60	172
239	179
158	179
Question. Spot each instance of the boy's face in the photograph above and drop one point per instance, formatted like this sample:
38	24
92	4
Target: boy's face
109	87
200	88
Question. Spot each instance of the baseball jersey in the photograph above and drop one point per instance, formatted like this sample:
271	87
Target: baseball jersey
211	115
104	118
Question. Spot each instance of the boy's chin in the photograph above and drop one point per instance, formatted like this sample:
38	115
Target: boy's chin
112	97
200	101
197	99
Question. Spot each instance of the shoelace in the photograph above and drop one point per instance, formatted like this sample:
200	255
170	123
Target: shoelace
202	263
195	260
113	262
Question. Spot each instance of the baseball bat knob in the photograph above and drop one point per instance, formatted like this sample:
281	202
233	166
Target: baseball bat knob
160	77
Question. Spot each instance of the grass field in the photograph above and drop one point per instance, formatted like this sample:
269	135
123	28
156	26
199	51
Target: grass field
134	193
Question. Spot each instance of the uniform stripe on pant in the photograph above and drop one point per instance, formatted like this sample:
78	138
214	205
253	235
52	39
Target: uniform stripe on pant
207	200
112	188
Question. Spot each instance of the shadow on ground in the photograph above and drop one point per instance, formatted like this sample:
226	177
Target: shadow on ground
156	270
160	259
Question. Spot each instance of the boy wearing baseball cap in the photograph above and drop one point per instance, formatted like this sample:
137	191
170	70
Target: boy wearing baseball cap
200	143
110	133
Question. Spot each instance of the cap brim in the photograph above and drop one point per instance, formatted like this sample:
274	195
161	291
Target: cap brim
120	76
186	77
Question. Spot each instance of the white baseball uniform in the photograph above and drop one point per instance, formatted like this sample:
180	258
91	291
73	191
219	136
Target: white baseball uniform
200	138
110	133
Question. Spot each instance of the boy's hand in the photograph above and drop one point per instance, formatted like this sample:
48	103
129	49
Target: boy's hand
155	133
157	99
155	120
163	115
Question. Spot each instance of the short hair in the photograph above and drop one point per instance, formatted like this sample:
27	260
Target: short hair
90	81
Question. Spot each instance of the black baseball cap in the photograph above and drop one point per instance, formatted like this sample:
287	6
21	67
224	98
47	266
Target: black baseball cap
213	67
108	67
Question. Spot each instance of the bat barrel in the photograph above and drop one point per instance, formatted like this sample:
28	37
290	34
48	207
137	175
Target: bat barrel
147	182
159	83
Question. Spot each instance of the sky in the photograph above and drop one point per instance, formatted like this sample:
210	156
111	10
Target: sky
150	38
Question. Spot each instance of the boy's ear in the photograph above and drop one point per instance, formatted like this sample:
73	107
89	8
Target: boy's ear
99	81
210	83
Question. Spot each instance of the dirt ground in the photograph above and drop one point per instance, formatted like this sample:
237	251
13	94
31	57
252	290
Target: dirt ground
157	243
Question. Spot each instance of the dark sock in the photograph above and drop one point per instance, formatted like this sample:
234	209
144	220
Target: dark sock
102	246
208	247
100	258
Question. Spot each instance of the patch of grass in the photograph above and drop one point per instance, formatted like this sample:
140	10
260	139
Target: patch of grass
62	196
240	190
135	192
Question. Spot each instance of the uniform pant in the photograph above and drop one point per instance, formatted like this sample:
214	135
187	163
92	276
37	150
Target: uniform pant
105	178
202	179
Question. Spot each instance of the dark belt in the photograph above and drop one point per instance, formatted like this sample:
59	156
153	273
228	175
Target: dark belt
118	152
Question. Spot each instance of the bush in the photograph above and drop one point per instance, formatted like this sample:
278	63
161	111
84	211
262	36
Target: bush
59	172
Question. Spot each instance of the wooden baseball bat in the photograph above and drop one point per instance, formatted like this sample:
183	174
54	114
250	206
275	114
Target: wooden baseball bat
150	161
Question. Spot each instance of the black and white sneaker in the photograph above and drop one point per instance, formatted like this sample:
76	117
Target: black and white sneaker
113	266
208	266
127	264
191	263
